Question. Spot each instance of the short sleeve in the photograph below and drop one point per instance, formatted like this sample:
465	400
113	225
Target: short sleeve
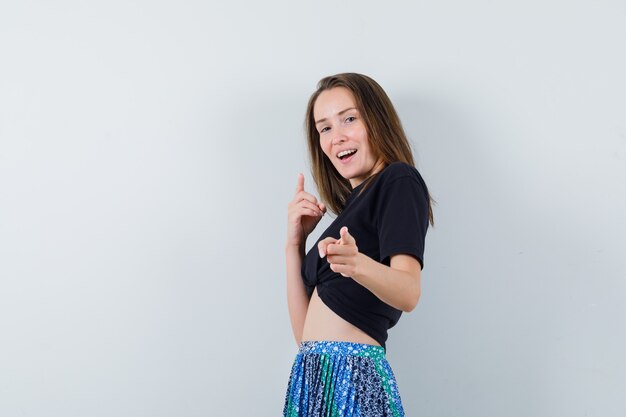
402	218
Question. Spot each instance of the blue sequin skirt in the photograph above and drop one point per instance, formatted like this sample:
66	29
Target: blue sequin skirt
341	379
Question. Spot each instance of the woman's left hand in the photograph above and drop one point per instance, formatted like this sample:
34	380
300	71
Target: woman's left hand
343	254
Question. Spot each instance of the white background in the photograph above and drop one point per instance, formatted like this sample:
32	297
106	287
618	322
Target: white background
148	151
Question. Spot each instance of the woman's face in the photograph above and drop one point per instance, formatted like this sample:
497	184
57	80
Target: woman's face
343	137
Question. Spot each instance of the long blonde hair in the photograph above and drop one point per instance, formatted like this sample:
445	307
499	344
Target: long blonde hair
384	132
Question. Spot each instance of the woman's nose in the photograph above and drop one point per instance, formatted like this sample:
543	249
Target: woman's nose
338	137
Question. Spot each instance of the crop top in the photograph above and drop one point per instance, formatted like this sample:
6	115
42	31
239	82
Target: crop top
389	217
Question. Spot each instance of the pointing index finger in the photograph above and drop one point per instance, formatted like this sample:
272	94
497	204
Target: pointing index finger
323	244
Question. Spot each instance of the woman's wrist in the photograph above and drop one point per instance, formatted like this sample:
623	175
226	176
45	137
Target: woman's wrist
290	246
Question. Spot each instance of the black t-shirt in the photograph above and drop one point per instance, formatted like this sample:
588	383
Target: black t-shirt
389	217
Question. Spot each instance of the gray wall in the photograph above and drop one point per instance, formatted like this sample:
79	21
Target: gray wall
148	151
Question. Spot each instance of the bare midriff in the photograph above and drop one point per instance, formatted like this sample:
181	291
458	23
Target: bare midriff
322	323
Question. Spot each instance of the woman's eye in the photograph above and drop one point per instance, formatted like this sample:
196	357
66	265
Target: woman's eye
324	129
350	119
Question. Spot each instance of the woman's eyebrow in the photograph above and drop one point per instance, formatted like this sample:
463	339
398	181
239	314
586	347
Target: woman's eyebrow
338	114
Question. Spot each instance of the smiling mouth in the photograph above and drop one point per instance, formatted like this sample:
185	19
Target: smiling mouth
346	154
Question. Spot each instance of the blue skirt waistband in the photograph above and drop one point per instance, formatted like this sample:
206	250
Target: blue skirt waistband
341	348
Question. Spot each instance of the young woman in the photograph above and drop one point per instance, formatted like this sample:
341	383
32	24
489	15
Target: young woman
364	270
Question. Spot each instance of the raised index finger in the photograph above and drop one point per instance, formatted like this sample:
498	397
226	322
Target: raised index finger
300	185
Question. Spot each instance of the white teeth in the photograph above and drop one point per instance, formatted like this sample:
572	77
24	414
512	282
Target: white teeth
346	152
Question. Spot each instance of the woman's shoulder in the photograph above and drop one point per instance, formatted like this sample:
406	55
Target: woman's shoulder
400	175
399	169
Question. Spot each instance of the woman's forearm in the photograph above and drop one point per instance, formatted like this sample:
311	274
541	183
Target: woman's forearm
297	298
396	287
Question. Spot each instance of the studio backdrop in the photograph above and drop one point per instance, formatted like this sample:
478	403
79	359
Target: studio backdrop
149	149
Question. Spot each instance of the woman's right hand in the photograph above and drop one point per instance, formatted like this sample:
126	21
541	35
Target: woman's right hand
303	214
